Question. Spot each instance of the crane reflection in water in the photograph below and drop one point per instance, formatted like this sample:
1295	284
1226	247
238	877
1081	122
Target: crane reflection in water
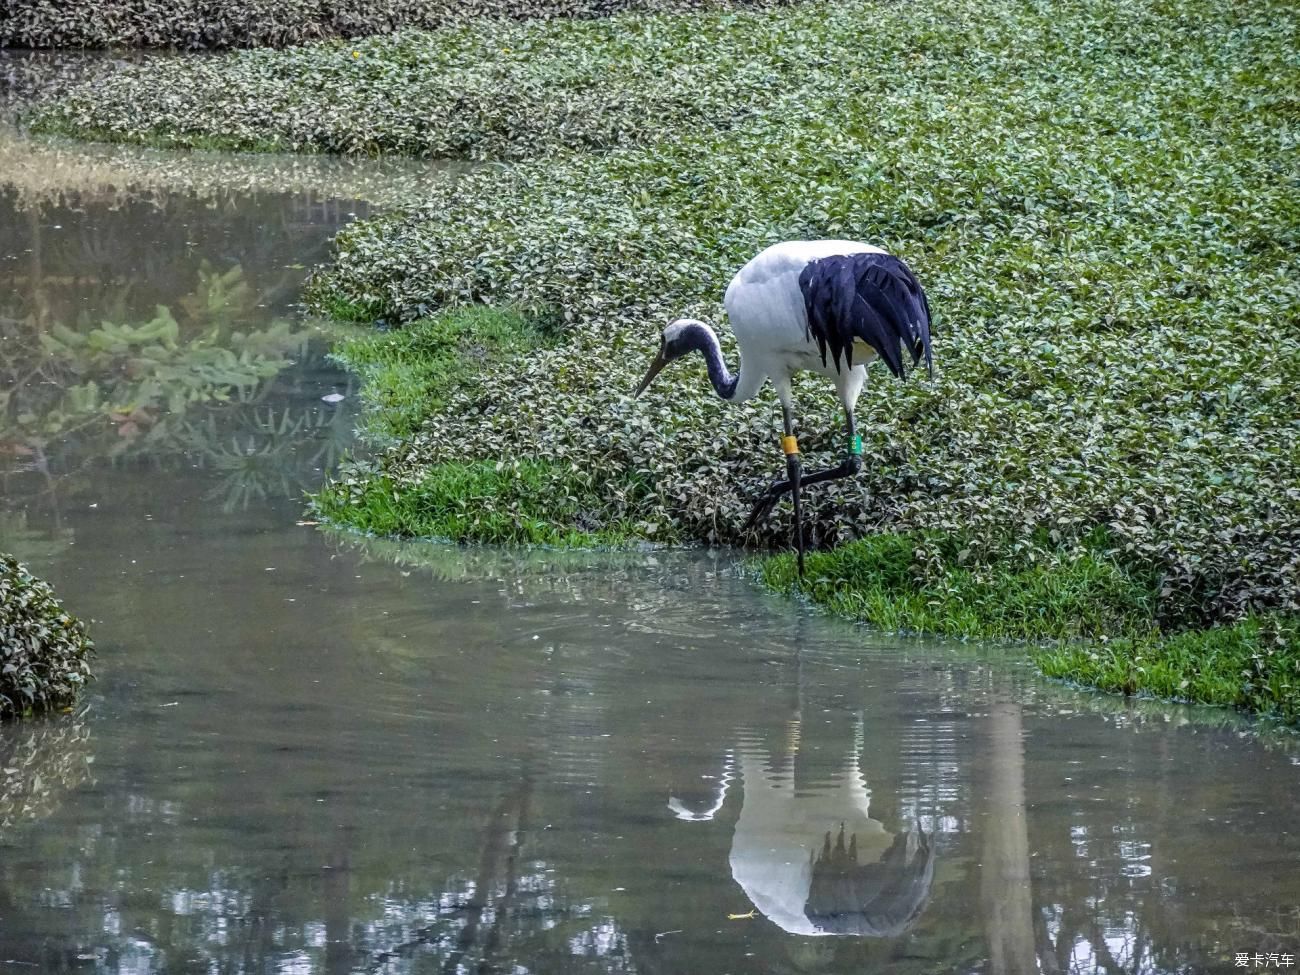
813	861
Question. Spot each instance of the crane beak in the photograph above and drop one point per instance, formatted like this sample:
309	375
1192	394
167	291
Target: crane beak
654	370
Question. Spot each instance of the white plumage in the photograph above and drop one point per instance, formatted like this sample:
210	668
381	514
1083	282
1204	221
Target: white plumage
766	309
829	306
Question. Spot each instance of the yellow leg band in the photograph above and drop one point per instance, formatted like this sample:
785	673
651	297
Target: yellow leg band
790	445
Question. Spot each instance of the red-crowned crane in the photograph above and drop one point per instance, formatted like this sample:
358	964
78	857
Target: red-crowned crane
789	307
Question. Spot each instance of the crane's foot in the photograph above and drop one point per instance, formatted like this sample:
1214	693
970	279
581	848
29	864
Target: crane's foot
766	501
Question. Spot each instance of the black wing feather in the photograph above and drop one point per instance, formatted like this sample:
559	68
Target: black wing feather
874	298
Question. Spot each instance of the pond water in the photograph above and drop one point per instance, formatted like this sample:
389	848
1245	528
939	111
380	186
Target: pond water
308	753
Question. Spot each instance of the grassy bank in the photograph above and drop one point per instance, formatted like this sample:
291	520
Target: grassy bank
1099	198
409	377
1252	665
926	583
1090	617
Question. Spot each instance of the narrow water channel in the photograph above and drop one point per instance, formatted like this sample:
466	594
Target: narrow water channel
308	753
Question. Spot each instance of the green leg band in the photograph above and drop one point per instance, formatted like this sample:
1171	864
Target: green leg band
855	445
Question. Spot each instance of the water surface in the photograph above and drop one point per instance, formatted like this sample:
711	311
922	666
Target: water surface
310	753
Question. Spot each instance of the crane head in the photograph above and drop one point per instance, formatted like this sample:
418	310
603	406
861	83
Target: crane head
676	341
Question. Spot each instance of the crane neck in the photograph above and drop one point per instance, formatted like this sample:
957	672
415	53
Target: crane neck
732	388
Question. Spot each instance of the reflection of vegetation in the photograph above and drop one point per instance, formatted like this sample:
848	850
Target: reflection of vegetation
193	384
40	759
132	384
1151	715
434	757
258	455
95	369
576	571
44	651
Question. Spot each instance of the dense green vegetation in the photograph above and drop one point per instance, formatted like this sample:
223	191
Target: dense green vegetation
194	24
1098	197
480	90
44	652
1102	275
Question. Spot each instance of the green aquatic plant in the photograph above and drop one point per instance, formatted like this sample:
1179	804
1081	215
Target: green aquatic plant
1100	278
44	651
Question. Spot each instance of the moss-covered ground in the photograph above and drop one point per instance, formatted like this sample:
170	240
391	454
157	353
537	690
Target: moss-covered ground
1101	199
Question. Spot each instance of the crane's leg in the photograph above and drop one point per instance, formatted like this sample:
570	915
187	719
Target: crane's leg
794	468
850	466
